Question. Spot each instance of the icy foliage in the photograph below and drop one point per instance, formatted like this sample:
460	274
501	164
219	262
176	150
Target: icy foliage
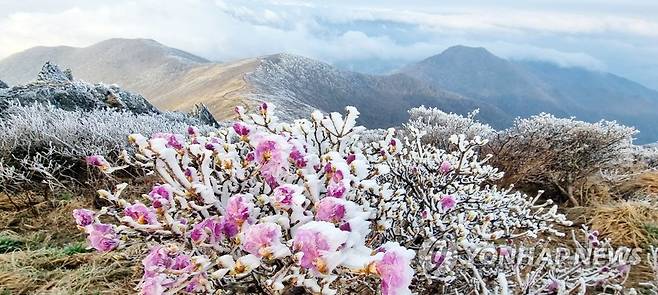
264	207
444	209
647	154
554	153
260	205
439	125
42	144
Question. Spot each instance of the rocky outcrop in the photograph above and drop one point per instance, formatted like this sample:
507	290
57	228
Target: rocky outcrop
57	87
3	85
203	114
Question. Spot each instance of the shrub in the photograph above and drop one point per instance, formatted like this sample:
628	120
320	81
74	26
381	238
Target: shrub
264	207
554	154
43	147
439	125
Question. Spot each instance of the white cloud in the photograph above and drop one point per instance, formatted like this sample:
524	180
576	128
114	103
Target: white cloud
340	31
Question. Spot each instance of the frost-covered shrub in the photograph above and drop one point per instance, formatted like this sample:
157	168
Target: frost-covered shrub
647	155
439	125
554	154
265	207
261	207
444	210
44	145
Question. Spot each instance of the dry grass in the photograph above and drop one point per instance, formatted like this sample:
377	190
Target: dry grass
625	223
43	252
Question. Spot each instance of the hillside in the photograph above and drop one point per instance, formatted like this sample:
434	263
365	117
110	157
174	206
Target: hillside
459	80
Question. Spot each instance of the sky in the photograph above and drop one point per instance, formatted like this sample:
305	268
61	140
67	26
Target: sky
618	36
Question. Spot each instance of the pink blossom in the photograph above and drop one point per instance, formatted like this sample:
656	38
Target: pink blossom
238	208
83	217
259	238
285	196
448	202
336	187
330	209
241	129
173	140
263	108
445	167
350	158
161	258
141	214
192	131
210	230
160	196
553	286
439	258
297	158
102	237
152	286
394	270
97	161
315	240
270	155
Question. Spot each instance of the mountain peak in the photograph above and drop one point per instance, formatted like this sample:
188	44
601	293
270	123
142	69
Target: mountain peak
466	51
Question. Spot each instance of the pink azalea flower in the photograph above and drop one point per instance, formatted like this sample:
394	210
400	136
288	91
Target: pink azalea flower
141	214
173	140
286	196
297	158
270	155
161	196
241	129
263	108
210	230
238	208
336	187
102	237
83	217
152	286
448	202
315	240
445	167
161	259
350	158
330	209
192	131
258	239
553	286
98	162
439	258
394	270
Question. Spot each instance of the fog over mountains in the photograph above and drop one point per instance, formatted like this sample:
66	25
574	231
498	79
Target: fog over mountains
459	80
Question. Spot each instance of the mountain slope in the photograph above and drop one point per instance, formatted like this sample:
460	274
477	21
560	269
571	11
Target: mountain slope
302	84
458	80
522	88
175	80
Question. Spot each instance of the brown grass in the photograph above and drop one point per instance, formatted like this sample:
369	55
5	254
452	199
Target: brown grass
625	223
43	265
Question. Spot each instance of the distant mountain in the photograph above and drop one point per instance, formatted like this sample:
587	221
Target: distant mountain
523	88
172	79
458	80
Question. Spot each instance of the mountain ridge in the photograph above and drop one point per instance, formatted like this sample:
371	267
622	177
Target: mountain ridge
459	79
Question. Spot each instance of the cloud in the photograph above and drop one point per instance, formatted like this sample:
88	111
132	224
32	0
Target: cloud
345	32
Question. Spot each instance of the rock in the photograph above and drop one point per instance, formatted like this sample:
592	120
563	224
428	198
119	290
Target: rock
58	88
203	114
52	73
3	85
